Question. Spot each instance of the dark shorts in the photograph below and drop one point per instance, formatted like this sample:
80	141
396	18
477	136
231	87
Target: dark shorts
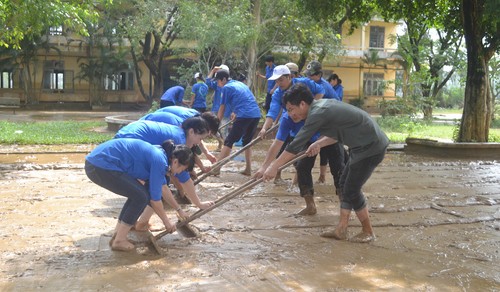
242	127
165	103
200	109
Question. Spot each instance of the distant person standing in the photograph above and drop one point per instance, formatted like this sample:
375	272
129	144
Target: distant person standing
270	83
173	96
199	94
333	154
238	96
336	83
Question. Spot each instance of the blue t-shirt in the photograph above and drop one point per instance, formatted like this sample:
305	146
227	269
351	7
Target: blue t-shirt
269	73
329	92
238	96
152	132
163	117
174	94
200	90
136	158
289	127
339	89
277	98
182	112
217	98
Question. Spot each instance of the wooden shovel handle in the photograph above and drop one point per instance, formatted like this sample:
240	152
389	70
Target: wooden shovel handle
219	164
249	184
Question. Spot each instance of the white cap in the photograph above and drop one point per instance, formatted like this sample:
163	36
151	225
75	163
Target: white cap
224	67
197	75
278	71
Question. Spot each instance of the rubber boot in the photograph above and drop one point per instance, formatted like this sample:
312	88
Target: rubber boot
310	208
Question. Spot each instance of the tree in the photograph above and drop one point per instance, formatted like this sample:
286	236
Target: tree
427	43
481	27
24	20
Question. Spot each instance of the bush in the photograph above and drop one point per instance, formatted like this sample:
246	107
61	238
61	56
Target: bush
396	107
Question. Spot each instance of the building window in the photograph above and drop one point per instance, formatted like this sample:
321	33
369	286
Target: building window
56	30
377	36
55	78
374	84
6	80
120	81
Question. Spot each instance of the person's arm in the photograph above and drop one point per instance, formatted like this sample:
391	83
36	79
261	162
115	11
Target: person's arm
272	170
220	114
271	155
169	198
190	191
315	147
207	153
199	163
160	211
267	124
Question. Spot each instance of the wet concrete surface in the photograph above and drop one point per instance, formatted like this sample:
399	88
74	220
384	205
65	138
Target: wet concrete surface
436	220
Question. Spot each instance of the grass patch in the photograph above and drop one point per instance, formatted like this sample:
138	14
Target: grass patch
398	129
55	132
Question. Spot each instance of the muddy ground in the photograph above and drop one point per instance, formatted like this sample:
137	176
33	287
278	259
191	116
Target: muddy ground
437	223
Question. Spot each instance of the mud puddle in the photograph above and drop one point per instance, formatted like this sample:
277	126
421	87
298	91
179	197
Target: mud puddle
437	226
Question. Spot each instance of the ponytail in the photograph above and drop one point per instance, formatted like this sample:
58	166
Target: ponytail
182	153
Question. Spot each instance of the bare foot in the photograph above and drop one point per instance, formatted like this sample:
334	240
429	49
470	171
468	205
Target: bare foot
112	239
246	172
321	179
307	211
335	234
141	227
122	245
363	237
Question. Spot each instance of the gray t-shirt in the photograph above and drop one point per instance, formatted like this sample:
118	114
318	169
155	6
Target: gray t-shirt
345	123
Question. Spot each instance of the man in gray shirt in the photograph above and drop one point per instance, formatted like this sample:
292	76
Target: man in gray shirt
337	122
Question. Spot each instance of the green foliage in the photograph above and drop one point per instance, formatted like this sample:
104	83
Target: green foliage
155	105
397	107
46	133
27	19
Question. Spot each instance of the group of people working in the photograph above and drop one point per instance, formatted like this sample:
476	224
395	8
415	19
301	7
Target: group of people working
162	147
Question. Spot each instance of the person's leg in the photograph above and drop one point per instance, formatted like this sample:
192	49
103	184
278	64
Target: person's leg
124	185
335	156
323	161
249	133
235	134
267	104
353	198
305	181
143	221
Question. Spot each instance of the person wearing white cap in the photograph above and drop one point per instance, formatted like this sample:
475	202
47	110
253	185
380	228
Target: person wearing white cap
199	94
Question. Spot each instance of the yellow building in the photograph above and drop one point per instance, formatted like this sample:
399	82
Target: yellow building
54	70
368	67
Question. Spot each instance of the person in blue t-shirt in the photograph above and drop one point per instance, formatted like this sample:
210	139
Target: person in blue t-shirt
166	115
137	170
286	132
271	85
315	72
190	133
199	94
336	83
216	100
173	96
244	105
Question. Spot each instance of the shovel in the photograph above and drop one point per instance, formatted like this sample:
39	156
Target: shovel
187	231
219	164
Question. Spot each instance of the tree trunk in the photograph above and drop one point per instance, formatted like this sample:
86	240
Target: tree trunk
252	50
477	111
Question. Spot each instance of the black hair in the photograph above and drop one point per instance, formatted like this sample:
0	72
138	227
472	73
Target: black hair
182	153
333	77
297	93
269	58
197	123
212	121
221	74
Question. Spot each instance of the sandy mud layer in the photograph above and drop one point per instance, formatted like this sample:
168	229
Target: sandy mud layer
436	220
